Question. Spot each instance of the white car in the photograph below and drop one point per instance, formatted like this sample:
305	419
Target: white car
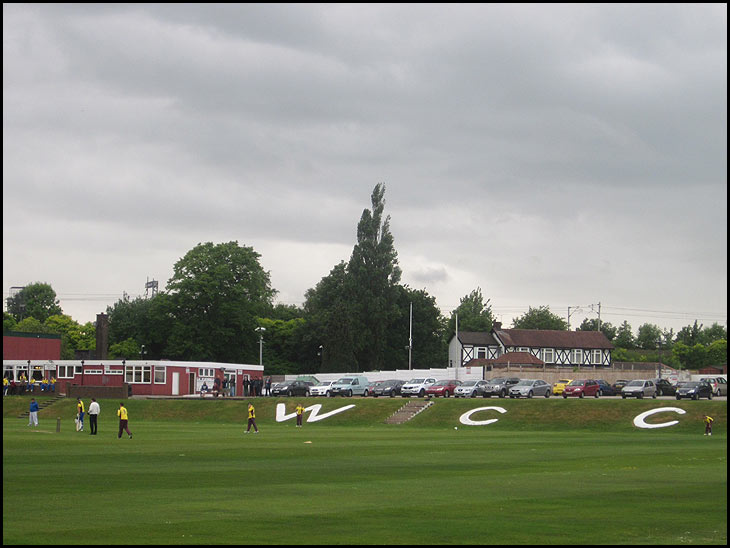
416	387
321	389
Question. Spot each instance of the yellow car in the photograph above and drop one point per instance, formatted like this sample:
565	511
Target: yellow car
560	385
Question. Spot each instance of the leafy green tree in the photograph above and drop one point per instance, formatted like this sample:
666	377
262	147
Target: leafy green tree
690	357
147	321
690	335
649	337
215	294
715	332
37	300
9	322
74	336
328	310
540	318
624	336
373	277
429	346
128	349
592	325
474	314
716	352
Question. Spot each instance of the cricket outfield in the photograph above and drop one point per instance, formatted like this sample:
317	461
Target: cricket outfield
547	472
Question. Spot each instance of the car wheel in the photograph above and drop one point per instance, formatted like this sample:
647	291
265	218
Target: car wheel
565	396
446	393
421	393
709	396
598	394
365	394
529	394
502	394
288	393
623	396
547	393
328	394
653	395
581	395
349	393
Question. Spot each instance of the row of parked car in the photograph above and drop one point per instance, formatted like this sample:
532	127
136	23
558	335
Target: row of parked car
514	387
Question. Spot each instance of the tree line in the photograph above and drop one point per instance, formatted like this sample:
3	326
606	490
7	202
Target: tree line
219	306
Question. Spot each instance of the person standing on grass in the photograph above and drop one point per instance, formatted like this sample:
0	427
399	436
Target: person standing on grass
708	420
251	419
300	414
123	421
93	415
33	417
80	414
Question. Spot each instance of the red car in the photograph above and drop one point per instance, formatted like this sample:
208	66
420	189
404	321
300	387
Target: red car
443	388
582	388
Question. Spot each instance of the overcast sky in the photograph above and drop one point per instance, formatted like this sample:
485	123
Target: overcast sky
553	155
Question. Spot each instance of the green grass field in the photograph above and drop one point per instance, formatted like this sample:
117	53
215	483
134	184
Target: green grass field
549	472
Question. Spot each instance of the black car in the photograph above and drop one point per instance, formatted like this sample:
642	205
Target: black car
606	389
619	384
387	388
664	387
694	390
291	388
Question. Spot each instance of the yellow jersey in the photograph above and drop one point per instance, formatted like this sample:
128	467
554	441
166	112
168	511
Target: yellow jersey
251	412
300	409
122	413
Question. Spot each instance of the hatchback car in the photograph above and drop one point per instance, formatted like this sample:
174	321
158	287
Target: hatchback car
718	384
638	389
582	388
291	388
470	389
321	389
530	387
390	388
559	386
606	389
499	386
694	390
664	387
443	388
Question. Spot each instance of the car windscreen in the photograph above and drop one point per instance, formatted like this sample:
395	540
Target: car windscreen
690	384
636	383
469	383
416	381
577	383
524	383
344	381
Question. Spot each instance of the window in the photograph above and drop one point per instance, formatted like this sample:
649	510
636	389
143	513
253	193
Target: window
206	372
577	356
597	357
160	374
548	355
138	374
66	371
481	353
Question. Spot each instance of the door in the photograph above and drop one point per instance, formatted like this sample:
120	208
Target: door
191	383
176	383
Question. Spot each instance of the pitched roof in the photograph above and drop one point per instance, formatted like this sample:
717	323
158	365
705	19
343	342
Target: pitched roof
518	358
477	338
546	338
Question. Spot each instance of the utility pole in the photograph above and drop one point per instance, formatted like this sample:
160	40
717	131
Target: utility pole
410	338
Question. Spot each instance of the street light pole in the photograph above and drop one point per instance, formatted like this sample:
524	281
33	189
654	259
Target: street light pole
260	331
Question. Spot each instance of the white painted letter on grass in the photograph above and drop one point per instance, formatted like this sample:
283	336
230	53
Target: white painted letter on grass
314	416
464	419
640	422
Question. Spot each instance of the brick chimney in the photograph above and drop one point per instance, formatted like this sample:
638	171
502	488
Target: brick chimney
102	336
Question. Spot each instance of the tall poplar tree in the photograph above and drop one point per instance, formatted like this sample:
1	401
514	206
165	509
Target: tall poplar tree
374	275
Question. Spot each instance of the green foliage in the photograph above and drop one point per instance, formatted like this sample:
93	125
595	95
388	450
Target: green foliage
473	313
214	296
624	336
37	300
592	325
649	337
540	318
9	322
128	349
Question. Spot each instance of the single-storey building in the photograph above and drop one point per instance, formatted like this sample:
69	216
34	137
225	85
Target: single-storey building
553	347
145	377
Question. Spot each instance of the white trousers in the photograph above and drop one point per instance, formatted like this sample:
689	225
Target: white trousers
33	421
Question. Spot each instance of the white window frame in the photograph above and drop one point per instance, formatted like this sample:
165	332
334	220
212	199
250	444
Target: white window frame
207	373
548	355
161	369
138	374
576	356
63	371
596	357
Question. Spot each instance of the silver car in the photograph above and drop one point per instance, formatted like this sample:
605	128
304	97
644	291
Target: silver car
639	389
530	387
470	389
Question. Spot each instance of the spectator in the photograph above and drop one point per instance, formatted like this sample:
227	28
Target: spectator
268	386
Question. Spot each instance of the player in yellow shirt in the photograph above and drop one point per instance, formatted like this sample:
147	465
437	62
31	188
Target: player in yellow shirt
251	419
123	421
708	425
300	414
80	411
